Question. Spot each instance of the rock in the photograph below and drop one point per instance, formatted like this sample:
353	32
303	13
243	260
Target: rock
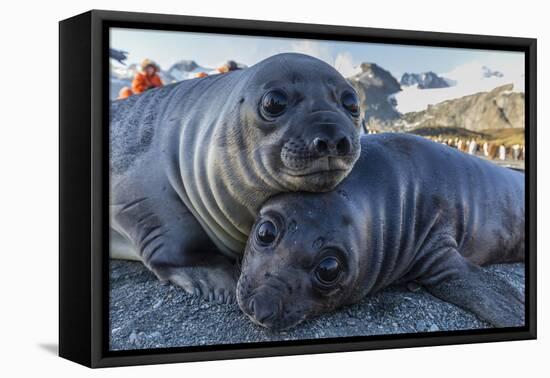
375	87
133	339
424	80
500	108
420	325
115	330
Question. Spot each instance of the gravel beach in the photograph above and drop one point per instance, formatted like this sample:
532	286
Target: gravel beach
145	313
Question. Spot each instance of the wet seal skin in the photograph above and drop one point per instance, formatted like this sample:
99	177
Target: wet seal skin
411	211
191	163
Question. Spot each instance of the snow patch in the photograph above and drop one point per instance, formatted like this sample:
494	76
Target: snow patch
469	79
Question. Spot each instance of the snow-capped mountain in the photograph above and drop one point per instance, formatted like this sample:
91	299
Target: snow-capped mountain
487	72
424	80
467	79
376	88
186	69
479	98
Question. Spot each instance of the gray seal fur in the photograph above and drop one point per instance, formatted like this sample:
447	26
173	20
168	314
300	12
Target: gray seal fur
411	211
191	163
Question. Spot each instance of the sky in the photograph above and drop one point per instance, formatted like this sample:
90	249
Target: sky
212	50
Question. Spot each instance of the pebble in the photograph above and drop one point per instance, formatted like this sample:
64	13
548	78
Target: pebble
115	330
133	338
420	325
414	287
155	335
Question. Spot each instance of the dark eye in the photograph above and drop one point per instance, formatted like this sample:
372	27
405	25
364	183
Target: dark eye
266	232
351	103
328	271
274	103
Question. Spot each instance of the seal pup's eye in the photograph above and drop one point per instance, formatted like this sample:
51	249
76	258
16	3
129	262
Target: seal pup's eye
266	232
274	103
350	102
328	271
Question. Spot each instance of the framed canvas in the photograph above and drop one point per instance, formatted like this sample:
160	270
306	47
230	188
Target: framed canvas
235	188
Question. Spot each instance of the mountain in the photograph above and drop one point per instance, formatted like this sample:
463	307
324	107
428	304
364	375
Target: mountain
500	108
487	72
424	80
186	69
376	87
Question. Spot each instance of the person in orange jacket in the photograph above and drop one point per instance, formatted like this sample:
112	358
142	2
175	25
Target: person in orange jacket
229	66
144	80
147	78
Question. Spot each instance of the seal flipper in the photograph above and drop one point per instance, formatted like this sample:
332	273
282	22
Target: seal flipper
486	294
172	244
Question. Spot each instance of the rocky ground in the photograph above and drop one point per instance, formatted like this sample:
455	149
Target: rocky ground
147	314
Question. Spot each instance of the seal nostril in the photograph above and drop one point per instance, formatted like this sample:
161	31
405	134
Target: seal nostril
343	146
320	146
261	311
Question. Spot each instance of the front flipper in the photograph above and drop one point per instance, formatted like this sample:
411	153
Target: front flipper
486	294
173	245
215	280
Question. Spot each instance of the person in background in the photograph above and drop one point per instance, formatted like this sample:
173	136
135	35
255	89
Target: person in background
144	80
147	78
229	66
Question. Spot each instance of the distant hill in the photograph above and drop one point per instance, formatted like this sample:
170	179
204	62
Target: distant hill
500	108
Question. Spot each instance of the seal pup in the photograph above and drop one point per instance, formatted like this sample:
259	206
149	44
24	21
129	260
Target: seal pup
191	163
412	210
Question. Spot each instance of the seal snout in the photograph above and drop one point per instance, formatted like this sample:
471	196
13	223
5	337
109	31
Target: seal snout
264	310
323	146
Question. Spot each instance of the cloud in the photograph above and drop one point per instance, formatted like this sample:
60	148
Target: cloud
345	65
342	62
313	48
469	76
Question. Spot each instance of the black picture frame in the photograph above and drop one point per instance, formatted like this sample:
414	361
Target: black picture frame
83	180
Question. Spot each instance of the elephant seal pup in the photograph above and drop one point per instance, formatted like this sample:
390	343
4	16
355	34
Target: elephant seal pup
191	163
411	211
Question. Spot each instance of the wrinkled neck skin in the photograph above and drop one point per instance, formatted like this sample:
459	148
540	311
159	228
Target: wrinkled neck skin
222	181
387	222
